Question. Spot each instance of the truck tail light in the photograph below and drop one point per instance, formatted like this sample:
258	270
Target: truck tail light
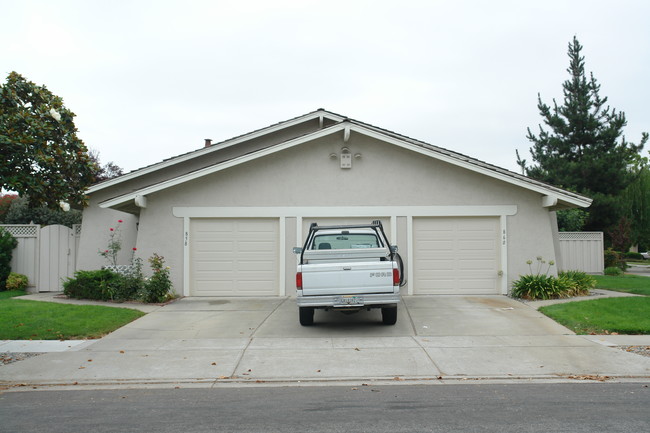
395	277
299	280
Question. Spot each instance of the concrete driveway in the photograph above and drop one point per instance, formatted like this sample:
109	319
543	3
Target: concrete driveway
215	341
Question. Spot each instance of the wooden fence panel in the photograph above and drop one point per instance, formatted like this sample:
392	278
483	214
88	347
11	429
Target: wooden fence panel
582	251
45	255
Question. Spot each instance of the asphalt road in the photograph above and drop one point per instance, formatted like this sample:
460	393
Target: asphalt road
580	407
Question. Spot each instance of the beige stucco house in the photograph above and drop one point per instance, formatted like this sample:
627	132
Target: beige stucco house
226	216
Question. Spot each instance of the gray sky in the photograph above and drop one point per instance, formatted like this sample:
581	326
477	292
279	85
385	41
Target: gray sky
151	79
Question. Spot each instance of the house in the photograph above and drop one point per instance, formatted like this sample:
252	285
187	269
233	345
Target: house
225	217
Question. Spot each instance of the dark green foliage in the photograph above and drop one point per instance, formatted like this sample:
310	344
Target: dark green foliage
7	245
97	285
158	287
17	281
614	259
583	148
571	220
104	285
635	203
633	256
41	157
20	213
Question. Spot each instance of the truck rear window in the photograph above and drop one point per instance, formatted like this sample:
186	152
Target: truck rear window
344	242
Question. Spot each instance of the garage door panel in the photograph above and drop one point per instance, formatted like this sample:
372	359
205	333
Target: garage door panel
455	255
234	257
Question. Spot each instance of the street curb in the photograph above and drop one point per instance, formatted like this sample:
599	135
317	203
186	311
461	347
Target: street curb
348	382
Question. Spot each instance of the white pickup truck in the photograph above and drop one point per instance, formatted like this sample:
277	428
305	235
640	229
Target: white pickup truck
348	268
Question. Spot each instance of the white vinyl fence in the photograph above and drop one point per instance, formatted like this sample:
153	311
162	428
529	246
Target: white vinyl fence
45	255
582	251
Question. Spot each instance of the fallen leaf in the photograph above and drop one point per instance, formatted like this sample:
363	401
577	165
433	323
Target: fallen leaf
317	371
223	377
90	360
259	381
214	363
121	351
375	390
397	378
357	349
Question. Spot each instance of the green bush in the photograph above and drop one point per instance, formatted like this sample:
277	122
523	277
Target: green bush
96	285
542	287
583	282
614	258
7	245
633	256
614	271
17	281
158	287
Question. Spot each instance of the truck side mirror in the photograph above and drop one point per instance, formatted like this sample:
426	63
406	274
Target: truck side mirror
297	250
393	248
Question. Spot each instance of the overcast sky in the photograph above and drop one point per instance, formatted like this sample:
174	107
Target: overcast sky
149	80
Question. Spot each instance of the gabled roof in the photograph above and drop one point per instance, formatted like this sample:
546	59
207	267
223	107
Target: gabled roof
554	197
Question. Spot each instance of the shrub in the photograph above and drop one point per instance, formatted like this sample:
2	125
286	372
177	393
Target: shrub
7	245
583	282
614	258
17	281
97	285
158	287
614	271
538	285
633	256
542	287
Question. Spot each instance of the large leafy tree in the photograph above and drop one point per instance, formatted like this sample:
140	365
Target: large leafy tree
41	156
635	203
582	147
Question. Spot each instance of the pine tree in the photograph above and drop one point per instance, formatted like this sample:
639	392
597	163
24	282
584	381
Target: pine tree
584	149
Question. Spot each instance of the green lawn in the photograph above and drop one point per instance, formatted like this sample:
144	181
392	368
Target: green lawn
35	320
625	283
629	315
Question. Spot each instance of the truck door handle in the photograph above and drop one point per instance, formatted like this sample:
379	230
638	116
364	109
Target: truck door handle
347	268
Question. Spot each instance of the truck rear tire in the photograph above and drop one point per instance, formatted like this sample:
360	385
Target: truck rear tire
306	315
389	315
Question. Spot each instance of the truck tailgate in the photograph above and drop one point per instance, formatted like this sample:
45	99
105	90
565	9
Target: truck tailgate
347	278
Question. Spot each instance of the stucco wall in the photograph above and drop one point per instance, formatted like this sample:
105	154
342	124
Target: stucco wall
384	175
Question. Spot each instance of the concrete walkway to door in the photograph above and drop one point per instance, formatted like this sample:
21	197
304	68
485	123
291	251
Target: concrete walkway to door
232	341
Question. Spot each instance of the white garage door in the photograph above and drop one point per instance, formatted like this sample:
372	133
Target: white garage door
456	255
234	257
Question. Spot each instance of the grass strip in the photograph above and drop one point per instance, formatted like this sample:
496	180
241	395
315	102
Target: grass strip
636	284
11	293
630	315
36	320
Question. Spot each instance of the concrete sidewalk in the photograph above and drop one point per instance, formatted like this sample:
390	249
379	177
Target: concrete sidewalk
232	341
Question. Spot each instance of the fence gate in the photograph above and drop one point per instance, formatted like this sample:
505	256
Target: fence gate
47	256
57	257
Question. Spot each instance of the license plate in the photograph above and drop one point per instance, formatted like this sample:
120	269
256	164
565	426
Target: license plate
348	300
